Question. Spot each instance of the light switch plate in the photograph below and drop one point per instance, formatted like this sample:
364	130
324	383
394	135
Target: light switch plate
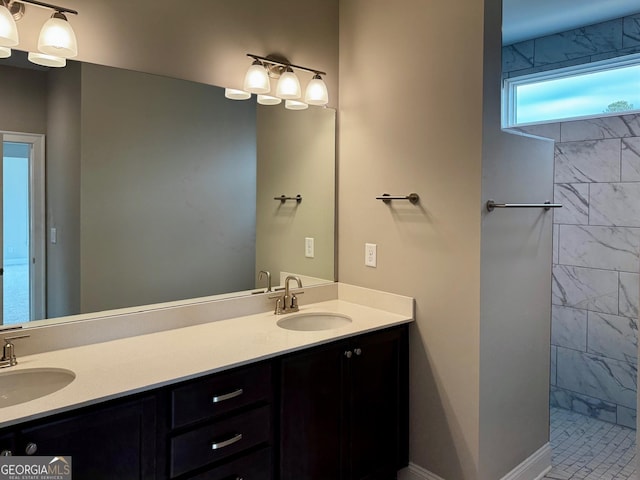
309	247
371	255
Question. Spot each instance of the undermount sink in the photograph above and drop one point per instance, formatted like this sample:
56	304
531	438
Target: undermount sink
312	322
21	386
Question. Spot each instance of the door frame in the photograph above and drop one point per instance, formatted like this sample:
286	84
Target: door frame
37	220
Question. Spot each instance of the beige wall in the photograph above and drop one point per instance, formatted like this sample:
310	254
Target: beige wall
414	118
411	121
201	40
296	155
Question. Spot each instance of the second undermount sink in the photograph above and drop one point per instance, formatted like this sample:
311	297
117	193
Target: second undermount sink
22	386
312	322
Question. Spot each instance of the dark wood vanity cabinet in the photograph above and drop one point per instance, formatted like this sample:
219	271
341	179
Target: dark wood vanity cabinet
116	440
337	411
344	409
222	426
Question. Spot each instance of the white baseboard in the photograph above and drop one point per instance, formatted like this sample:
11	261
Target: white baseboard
415	472
533	468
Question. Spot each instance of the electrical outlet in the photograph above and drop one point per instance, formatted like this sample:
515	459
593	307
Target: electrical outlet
371	255
308	247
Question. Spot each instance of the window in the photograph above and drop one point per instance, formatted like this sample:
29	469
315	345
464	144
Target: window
584	91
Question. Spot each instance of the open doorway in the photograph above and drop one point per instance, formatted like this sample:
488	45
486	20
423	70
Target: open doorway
22	229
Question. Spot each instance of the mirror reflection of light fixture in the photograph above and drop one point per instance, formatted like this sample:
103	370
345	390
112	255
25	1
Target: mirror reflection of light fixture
268	100
57	37
295	105
316	93
5	52
46	60
235	94
257	80
57	40
8	27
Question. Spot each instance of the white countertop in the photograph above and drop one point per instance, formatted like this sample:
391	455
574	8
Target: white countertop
125	366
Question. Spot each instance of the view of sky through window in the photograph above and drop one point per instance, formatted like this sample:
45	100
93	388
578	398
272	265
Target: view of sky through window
585	94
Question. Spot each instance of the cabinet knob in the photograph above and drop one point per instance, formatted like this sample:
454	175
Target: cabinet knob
31	448
357	351
348	354
6	453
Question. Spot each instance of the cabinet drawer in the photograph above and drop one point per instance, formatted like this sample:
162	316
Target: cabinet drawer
255	466
219	440
220	393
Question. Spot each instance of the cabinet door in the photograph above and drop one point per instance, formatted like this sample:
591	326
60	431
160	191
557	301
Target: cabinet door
378	405
107	443
312	413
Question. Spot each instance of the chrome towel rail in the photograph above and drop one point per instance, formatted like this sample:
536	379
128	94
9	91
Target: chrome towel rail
284	198
386	198
491	205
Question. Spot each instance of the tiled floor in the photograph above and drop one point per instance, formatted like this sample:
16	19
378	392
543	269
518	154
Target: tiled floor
588	449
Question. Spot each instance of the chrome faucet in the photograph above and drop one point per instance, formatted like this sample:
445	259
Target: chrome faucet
268	274
9	353
289	302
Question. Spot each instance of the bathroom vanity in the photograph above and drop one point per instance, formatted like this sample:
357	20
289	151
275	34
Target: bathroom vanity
236	398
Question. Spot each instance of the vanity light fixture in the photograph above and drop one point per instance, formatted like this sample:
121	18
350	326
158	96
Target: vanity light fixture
47	60
57	40
288	86
234	94
8	27
57	37
269	100
316	93
5	52
257	80
295	105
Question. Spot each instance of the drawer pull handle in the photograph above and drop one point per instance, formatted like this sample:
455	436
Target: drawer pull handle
227	396
225	443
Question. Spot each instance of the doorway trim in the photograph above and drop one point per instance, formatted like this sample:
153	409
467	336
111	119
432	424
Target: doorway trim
37	220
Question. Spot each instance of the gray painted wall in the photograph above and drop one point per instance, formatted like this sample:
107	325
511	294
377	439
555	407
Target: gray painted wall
167	166
63	190
24	108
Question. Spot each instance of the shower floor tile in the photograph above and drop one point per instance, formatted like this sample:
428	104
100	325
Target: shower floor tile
584	448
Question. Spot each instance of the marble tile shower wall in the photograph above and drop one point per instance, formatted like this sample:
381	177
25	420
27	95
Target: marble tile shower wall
596	258
574	47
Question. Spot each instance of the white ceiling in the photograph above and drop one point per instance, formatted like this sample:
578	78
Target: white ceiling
527	19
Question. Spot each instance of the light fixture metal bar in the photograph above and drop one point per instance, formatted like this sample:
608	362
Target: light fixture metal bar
49	5
284	64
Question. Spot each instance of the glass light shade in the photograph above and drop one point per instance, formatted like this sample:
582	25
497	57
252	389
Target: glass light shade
288	86
5	52
268	100
57	38
234	94
8	28
46	60
295	105
316	93
257	79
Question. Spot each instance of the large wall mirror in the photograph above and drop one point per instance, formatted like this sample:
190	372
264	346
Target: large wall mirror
125	189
